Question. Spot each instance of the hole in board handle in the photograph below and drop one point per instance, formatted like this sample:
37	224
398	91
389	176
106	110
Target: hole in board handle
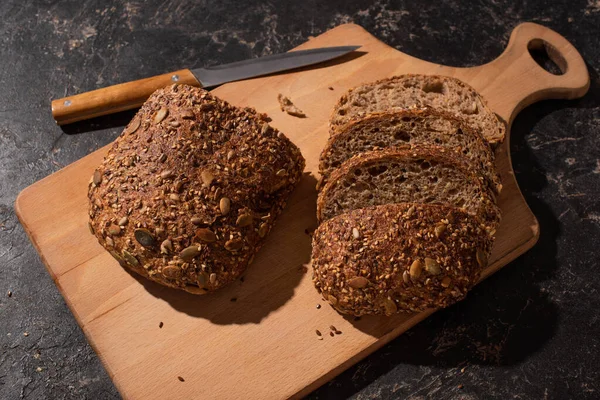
547	56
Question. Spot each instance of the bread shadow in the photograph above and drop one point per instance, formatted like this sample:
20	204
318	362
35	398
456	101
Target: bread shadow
494	326
116	120
257	293
506	318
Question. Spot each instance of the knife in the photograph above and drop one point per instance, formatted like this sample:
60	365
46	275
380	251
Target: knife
126	96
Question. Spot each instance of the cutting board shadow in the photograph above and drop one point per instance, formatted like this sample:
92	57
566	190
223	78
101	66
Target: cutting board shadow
256	339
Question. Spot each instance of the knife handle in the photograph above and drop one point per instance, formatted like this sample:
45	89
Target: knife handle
121	97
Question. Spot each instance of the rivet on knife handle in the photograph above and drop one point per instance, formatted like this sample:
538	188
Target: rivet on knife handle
112	99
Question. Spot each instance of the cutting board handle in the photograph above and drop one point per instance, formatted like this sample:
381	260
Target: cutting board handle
522	81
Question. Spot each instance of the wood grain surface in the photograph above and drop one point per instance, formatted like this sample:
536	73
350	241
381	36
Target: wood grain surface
256	339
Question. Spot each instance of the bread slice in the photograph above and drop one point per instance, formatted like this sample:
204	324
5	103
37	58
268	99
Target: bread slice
419	91
422	174
412	127
398	257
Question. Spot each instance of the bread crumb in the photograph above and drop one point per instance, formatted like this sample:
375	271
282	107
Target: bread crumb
303	269
286	105
309	231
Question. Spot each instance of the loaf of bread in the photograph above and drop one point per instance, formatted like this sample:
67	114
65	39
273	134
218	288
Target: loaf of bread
419	91
190	189
421	174
398	257
413	127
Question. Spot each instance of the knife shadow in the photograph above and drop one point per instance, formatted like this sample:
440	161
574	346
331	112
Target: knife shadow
325	64
251	298
116	120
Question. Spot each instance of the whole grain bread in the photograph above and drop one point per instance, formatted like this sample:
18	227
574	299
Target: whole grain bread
398	257
409	127
421	174
419	91
190	189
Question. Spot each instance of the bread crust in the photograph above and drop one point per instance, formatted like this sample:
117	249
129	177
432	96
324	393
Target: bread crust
494	135
398	258
360	126
189	190
488	211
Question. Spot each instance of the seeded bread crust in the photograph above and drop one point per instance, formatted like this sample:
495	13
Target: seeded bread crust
190	189
419	91
409	127
421	174
398	258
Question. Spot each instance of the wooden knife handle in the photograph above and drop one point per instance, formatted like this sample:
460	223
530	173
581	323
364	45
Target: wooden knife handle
112	99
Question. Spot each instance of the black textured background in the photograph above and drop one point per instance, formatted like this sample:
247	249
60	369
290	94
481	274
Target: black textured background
531	331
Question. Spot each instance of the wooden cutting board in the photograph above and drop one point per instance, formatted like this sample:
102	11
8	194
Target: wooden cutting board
263	345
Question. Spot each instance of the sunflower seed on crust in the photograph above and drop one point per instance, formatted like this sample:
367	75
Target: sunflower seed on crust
358	282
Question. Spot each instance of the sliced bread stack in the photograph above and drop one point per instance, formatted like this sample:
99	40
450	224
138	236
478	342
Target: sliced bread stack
407	196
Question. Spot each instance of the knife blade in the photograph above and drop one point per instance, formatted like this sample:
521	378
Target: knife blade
129	95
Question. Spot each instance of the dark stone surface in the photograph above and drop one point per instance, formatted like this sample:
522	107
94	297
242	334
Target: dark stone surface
531	331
